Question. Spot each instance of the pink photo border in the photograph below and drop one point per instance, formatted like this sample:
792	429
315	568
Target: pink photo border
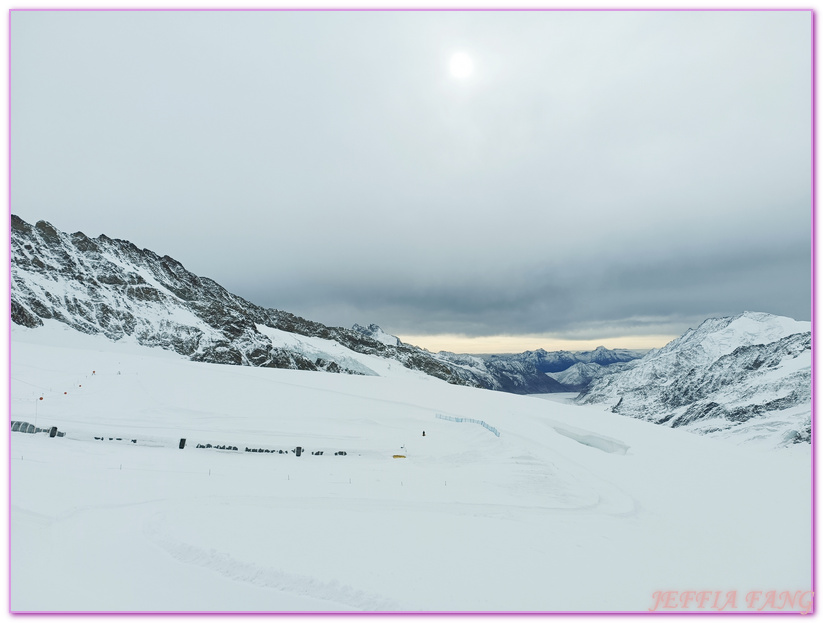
442	613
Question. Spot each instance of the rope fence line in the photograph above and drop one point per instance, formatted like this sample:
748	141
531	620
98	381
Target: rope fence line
489	428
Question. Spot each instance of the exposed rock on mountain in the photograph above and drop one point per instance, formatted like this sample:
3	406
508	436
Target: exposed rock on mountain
376	333
109	286
746	377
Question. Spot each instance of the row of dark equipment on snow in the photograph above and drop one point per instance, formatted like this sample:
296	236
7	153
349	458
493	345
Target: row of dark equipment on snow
296	451
25	427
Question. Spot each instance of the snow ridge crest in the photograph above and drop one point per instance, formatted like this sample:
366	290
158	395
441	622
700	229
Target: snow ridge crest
745	377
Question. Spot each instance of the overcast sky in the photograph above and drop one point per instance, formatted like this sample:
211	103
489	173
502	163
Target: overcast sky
599	176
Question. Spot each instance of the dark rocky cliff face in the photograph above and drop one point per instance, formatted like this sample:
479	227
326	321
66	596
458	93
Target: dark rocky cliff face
111	287
108	286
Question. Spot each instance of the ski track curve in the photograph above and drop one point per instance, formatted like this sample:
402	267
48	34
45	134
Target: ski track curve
267	577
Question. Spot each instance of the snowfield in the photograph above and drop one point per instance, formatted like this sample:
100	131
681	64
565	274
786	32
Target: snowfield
570	509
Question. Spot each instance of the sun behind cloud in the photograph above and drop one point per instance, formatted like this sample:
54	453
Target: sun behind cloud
461	65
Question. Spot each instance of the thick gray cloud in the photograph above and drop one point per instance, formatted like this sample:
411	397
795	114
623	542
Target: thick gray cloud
600	173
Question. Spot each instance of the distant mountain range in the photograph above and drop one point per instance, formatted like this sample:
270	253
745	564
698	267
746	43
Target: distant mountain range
557	361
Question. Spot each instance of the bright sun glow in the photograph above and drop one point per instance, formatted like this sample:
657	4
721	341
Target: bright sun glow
461	65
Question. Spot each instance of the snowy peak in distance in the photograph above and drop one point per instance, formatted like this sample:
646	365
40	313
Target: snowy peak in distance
376	333
716	337
578	376
746	378
606	356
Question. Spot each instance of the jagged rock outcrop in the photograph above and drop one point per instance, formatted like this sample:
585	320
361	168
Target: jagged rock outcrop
109	286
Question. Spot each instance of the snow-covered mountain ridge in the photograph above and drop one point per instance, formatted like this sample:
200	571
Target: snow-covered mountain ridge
746	377
376	333
579	376
111	287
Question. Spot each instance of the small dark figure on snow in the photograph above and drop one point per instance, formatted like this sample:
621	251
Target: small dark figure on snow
424	433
